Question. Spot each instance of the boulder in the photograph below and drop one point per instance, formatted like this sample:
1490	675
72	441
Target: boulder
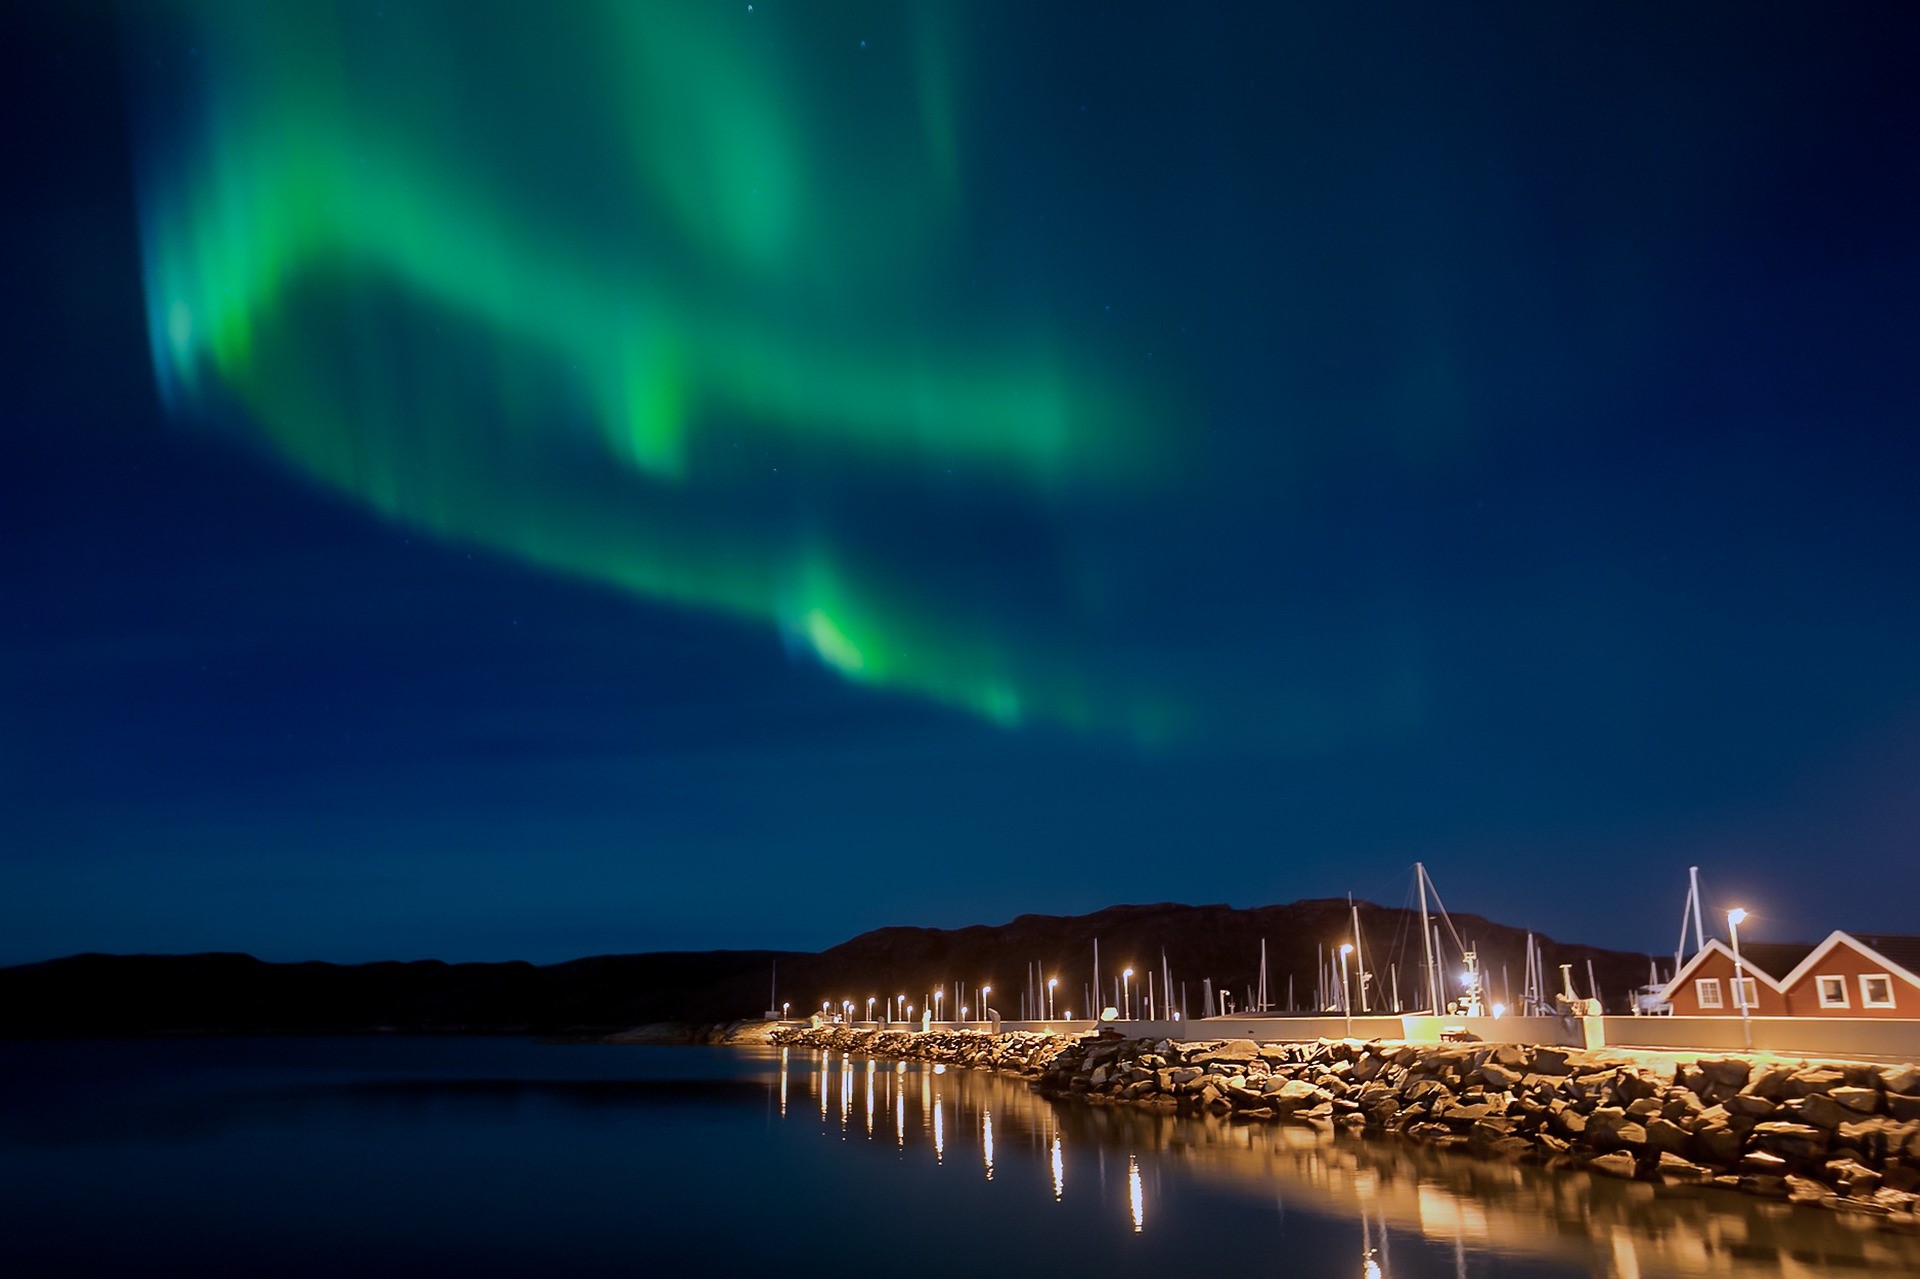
1900	1079
1665	1135
1675	1171
1801	1141
1619	1164
1752	1105
1813	1079
1770	1082
1863	1101
1823	1111
1495	1075
1730	1072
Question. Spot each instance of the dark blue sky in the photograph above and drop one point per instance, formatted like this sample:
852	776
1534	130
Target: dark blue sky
1534	399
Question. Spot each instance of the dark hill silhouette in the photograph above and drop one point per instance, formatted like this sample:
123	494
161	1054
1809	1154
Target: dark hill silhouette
237	994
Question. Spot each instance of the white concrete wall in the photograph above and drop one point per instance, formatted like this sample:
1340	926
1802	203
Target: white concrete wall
1865	1037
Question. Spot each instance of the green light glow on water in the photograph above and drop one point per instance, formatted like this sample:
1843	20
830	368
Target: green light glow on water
646	294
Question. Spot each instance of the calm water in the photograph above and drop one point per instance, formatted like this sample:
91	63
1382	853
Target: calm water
485	1157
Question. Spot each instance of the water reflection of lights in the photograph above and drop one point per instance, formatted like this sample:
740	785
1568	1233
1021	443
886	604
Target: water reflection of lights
869	1099
939	1135
1136	1198
986	1140
846	1089
1059	1170
900	1118
783	1082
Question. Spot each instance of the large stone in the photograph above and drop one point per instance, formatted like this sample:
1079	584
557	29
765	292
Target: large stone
1296	1092
1752	1105
1550	1061
1717	1144
1665	1135
1823	1111
1730	1072
1860	1100
1618	1164
1805	1190
1495	1075
1850	1173
1903	1107
1770	1082
1800	1141
1900	1079
1676	1171
1813	1079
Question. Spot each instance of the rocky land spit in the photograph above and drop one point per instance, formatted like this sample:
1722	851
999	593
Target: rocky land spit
1842	1135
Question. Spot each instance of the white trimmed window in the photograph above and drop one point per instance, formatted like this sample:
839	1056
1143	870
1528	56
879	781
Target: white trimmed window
1876	990
1707	991
1833	991
1746	993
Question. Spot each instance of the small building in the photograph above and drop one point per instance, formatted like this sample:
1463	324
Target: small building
1846	975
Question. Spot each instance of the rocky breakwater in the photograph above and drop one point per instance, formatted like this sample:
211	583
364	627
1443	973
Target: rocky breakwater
1845	1136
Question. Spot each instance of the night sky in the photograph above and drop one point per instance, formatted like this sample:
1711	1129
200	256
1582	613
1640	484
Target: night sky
485	485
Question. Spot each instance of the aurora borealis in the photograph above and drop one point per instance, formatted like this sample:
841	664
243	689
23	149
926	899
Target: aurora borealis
653	243
646	475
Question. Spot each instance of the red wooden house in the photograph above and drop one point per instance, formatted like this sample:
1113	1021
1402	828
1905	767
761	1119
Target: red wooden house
1847	975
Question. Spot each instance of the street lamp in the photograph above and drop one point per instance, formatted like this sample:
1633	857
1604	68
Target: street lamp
869	1007
899	1003
784	1007
1051	983
984	992
1126	994
1346	1000
938	995
1734	919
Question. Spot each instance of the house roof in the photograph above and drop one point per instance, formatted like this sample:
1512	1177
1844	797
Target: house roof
1753	966
1900	954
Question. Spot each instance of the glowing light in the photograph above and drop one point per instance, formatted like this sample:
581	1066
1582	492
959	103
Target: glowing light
986	1140
939	1134
1136	1197
1059	1170
653	357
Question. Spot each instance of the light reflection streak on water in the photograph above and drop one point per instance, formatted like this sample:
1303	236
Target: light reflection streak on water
869	1100
846	1088
783	1083
900	1118
1462	1206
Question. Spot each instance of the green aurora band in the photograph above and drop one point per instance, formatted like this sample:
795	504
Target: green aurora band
641	293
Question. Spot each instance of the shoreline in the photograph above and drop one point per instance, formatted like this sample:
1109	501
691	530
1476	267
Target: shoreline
1844	1136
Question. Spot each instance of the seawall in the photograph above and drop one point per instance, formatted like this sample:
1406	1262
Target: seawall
1845	1136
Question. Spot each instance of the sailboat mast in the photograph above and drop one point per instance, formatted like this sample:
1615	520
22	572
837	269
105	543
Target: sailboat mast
1359	953
1426	940
1693	891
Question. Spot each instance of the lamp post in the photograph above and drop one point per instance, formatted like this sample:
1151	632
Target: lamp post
1734	918
869	1007
938	995
1051	983
784	1007
1346	999
984	992
1126	994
